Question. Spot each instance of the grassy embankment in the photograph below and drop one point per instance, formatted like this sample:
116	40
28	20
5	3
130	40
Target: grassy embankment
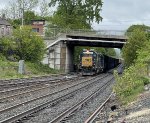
131	83
9	70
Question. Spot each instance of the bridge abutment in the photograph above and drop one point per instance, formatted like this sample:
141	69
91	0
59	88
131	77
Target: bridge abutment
60	57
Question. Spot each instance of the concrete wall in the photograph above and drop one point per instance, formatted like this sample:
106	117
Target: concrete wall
60	57
69	58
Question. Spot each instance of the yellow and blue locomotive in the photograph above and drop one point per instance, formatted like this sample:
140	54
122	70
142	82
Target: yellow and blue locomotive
92	62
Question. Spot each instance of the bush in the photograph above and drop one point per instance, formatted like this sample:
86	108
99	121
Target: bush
137	58
145	80
2	57
39	68
135	42
129	83
6	46
29	46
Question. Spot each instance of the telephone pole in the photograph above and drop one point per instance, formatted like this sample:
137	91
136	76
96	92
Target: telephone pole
22	19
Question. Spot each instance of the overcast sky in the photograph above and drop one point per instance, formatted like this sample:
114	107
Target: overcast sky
119	14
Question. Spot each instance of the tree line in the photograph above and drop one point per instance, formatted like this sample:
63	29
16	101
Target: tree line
72	14
136	62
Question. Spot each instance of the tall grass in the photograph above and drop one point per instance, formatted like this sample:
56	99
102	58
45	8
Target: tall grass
39	69
131	83
9	69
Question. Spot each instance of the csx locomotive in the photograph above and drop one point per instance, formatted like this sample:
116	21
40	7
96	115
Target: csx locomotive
92	63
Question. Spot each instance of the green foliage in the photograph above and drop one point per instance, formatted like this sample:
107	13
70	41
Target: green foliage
6	46
106	51
39	68
69	21
130	83
30	47
10	69
28	16
136	41
2	57
76	13
145	80
135	27
15	23
143	53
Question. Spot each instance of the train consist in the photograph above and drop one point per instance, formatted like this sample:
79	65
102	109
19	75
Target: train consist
92	63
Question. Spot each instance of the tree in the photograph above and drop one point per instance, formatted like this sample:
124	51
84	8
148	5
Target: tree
135	76
136	41
30	47
6	46
76	13
4	11
28	16
44	9
140	27
16	8
143	53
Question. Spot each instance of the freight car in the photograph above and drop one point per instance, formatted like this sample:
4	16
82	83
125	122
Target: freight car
92	63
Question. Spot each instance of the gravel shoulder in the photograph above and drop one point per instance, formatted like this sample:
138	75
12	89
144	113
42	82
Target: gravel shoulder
136	112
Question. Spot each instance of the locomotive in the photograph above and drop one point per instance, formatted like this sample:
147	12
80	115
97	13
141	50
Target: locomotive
92	62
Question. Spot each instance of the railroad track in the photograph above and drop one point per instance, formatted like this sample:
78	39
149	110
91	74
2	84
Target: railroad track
28	82
45	103
74	108
37	88
95	114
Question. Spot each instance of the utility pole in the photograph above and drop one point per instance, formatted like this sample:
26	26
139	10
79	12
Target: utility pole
22	13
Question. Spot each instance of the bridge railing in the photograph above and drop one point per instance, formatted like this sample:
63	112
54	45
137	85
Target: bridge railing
53	33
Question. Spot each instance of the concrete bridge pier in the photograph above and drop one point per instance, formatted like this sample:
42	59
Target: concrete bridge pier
60	57
69	58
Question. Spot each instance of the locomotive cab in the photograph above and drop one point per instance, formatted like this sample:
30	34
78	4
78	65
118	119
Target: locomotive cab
90	62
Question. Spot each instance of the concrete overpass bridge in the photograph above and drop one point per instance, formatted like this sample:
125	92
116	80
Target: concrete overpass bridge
60	45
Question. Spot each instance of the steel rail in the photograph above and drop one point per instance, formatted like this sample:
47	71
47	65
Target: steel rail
46	81
41	106
41	97
32	81
38	78
17	89
27	83
97	111
30	91
78	105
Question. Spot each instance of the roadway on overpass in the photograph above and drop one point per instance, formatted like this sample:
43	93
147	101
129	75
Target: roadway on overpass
94	39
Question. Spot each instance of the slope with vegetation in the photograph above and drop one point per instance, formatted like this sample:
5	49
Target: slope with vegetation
23	45
69	14
137	61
